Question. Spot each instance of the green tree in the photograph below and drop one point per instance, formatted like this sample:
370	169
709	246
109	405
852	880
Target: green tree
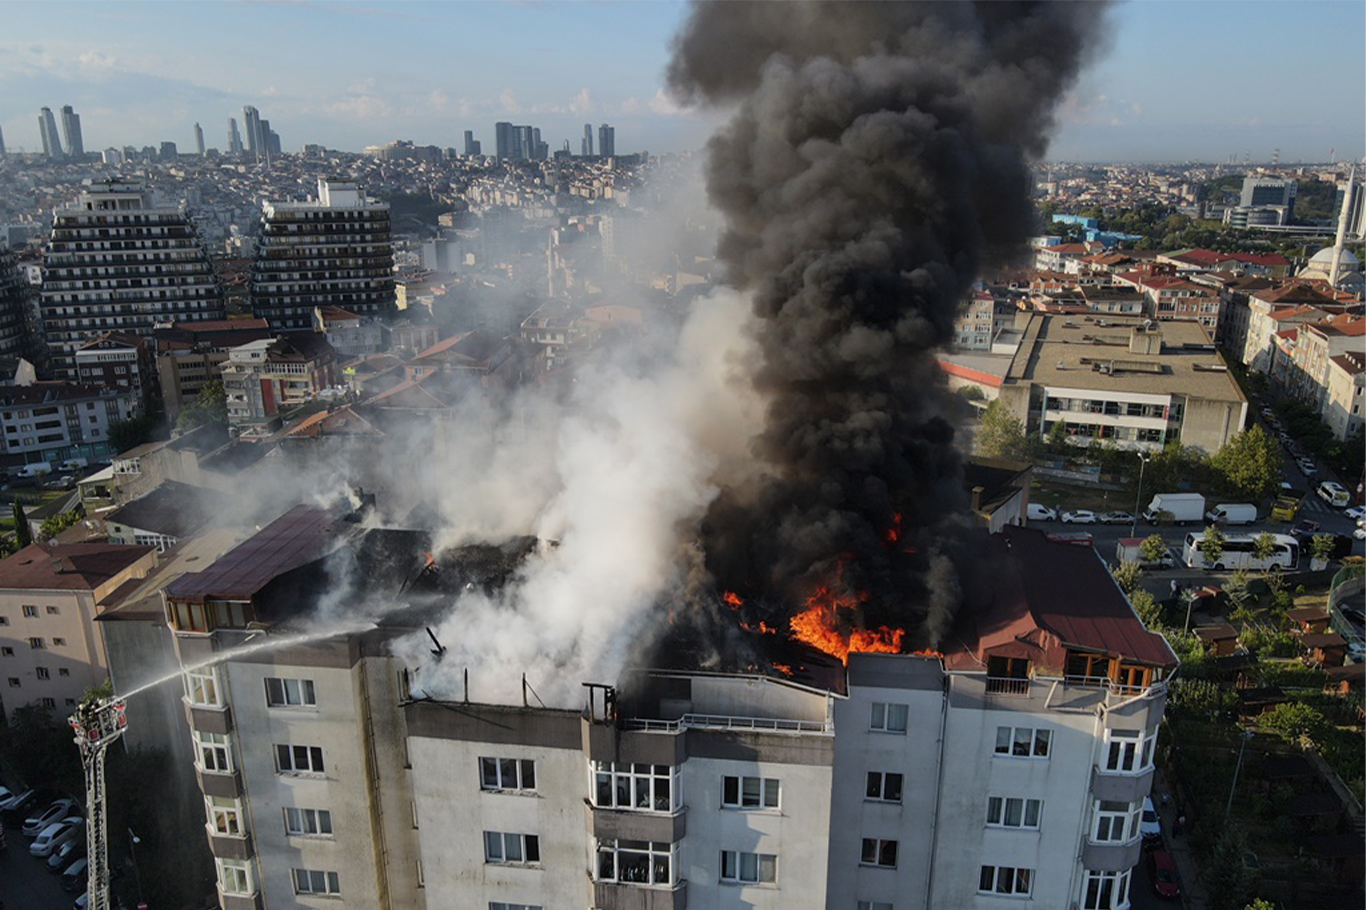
1000	434
1212	549
23	536
1322	546
1153	548
1296	722
1127	575
1147	608
1249	463
1228	881
1056	439
131	433
1264	546
57	524
210	406
1259	904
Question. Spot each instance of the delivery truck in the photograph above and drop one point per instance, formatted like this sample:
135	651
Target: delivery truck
1182	508
1232	513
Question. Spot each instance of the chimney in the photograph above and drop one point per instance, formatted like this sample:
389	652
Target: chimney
977	498
58	565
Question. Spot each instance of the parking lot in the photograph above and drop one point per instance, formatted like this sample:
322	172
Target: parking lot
25	883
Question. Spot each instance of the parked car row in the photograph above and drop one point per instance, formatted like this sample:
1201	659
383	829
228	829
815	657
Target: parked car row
1039	512
56	829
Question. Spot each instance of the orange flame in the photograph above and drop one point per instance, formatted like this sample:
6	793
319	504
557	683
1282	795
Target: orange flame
735	600
784	669
820	626
431	560
762	628
894	532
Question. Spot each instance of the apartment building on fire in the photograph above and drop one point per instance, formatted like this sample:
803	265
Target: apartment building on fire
1013	765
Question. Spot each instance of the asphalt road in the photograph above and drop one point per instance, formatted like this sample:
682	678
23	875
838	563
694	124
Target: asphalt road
25	883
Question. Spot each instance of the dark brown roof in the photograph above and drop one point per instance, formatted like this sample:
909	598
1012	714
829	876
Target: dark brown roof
67	566
1349	673
299	536
1323	640
1306	614
172	509
1219	632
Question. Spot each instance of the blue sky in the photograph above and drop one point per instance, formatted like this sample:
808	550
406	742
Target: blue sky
1180	81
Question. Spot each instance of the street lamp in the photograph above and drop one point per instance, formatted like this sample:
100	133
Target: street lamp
1247	735
133	841
1142	463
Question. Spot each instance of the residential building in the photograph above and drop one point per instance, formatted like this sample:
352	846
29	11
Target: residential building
47	131
1117	299
71	129
121	261
170	513
975	325
1267	315
51	651
262	377
1315	344
1139	383
191	355
56	421
117	360
349	334
1014	764
16	298
1343	405
334	250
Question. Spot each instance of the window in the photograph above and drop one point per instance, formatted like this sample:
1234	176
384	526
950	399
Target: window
202	687
507	774
650	788
62	671
884	785
48	703
749	792
749	868
315	881
503	905
1023	742
30	612
888	717
308	822
1129	750
53	611
511	848
7	651
1013	812
59	642
14	682
878	852
42	673
215	751
874	905
1006	880
299	759
4	620
225	815
1116	821
1105	890
234	876
292	693
36	644
71	702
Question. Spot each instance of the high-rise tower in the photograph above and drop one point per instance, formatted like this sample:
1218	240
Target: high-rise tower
251	120
234	137
120	261
71	129
607	141
586	149
199	139
330	251
47	129
15	296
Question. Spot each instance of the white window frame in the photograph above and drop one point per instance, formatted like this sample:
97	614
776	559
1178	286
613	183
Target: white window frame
219	745
889	717
236	876
316	881
1113	824
299	760
884	782
1002	809
505	774
641	783
876	847
307	822
506	849
1111	890
225	816
504	905
288	692
744	792
1036	742
1129	751
740	867
615	850
1006	881
875	905
203	687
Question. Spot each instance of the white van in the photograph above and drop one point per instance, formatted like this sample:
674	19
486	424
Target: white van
1333	493
1232	513
37	469
72	465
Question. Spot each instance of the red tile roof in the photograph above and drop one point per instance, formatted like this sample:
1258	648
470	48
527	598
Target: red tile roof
67	566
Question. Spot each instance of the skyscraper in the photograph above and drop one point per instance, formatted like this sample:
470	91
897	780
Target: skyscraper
2	143
199	140
92	283
502	139
472	146
71	129
607	141
47	129
251	119
234	137
586	149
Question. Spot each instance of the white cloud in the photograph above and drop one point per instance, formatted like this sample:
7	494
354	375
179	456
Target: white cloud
582	102
508	99
438	99
631	105
665	106
362	107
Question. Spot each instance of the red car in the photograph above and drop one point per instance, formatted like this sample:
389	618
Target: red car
1162	869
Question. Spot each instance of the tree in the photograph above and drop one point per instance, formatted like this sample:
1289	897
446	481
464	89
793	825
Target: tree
210	406
1260	904
130	433
1296	722
1228	881
1322	546
1127	575
23	536
1147	608
1000	434
1249	463
1264	547
1213	547
1056	439
1153	548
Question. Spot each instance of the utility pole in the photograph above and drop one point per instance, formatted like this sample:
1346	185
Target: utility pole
1138	498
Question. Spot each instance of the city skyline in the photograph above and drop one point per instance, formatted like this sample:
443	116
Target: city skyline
128	69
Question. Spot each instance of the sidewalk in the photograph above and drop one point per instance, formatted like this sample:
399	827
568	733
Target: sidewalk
1192	892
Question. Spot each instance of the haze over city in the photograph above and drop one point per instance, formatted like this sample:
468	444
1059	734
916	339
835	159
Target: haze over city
1178	81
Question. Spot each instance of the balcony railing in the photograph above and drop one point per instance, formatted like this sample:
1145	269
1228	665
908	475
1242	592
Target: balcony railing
725	722
1000	685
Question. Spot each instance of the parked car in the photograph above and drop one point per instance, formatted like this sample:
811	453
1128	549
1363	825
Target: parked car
82	902
1149	825
1115	518
1040	512
1079	517
34	824
1333	493
1162	870
19	803
54	835
6	794
75	875
1306	466
1356	513
1305	530
65	855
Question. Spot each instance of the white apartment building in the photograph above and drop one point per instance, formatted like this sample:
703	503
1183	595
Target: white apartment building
120	261
1014	765
56	421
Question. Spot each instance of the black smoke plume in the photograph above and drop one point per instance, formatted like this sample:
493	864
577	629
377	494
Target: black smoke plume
877	157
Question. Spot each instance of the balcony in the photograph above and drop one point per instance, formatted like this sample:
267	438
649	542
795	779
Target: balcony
1000	685
615	896
208	719
725	722
229	846
227	784
239	901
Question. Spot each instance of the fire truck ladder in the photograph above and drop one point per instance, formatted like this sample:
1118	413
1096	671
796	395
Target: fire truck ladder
97	725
